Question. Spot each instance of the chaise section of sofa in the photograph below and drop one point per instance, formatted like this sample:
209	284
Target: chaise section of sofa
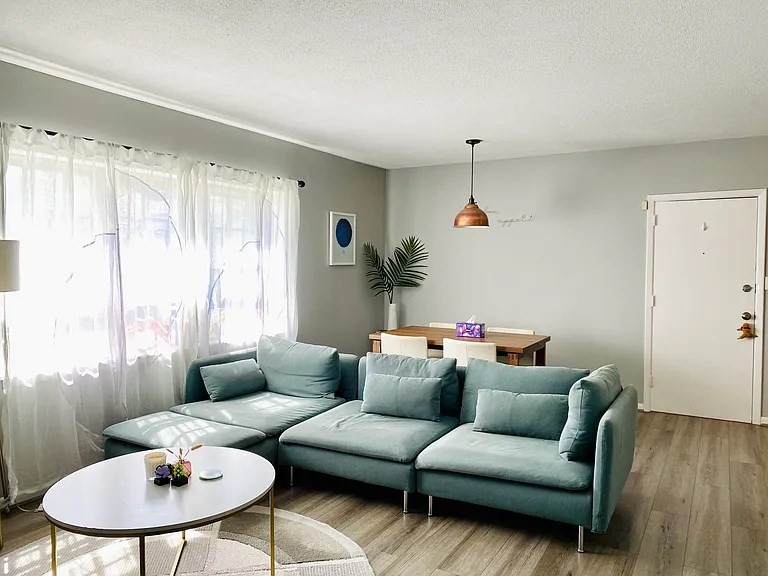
166	429
261	416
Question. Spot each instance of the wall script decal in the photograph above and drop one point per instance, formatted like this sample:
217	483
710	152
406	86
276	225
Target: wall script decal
505	222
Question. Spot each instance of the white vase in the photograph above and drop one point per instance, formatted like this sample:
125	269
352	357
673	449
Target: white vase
392	317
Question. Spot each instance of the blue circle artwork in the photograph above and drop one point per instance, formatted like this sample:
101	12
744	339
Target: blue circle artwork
343	232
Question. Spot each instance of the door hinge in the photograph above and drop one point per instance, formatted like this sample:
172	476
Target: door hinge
655	219
650	381
653	301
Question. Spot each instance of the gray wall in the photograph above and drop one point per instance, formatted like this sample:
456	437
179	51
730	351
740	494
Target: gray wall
577	271
335	306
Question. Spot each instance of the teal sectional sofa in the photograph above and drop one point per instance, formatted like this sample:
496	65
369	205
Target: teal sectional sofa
556	443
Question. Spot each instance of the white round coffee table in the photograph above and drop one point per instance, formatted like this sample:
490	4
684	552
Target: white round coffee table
112	499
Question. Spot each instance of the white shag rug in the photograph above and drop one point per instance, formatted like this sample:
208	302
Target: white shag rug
237	546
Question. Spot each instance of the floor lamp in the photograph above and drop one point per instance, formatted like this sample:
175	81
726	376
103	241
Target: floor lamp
9	282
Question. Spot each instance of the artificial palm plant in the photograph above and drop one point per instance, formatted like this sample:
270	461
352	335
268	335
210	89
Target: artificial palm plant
404	269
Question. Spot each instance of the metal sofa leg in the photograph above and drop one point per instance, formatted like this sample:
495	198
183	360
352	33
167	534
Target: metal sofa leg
429	511
581	539
405	501
290	482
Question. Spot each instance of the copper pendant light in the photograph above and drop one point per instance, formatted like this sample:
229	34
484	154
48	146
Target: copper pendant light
471	216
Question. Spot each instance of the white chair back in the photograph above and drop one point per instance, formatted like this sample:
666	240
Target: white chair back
511	330
442	325
415	346
463	351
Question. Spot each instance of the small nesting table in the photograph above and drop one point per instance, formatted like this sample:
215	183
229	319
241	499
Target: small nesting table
112	499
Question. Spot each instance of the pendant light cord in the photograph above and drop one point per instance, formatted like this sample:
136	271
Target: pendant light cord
472	178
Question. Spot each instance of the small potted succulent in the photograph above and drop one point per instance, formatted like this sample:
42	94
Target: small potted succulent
180	473
163	475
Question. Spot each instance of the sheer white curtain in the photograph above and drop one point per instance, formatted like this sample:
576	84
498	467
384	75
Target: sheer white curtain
133	264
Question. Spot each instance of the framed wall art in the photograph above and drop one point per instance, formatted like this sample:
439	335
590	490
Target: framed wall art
342	234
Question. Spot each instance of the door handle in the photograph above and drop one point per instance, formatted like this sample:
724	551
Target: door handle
746	316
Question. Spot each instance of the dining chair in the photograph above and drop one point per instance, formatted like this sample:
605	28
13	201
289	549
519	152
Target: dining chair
463	351
415	346
432	352
510	330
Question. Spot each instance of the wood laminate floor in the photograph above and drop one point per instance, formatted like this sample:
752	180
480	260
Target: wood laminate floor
695	504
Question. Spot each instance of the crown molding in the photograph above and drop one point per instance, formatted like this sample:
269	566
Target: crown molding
65	73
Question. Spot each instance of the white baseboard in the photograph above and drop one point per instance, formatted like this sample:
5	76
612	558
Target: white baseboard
763	420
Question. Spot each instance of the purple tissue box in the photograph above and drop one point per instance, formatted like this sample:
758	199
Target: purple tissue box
468	330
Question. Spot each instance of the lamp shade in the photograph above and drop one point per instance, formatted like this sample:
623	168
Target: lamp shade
9	265
471	216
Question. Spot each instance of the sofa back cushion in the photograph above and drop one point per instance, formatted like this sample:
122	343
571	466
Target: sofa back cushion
232	379
298	369
402	396
532	415
443	368
482	374
588	400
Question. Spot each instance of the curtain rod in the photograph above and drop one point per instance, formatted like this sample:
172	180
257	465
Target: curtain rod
301	183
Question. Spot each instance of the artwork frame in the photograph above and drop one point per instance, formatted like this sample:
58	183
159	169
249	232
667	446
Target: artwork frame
342	239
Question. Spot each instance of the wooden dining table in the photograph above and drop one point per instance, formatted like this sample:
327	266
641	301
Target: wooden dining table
513	346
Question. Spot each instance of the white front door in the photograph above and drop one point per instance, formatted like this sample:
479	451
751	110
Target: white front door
705	262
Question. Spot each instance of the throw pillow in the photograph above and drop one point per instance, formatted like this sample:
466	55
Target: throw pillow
402	396
483	374
232	379
533	415
443	368
588	400
298	369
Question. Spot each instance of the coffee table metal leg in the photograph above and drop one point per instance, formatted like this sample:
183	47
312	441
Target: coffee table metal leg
142	557
179	550
53	550
272	531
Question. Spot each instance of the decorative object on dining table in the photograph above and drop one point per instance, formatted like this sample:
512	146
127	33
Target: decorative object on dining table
342	235
471	216
470	328
404	269
151	463
181	469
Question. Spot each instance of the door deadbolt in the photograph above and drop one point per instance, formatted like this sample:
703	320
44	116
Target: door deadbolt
747	288
746	316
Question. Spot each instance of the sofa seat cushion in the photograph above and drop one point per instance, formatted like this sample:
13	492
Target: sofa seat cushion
512	458
346	429
168	429
269	412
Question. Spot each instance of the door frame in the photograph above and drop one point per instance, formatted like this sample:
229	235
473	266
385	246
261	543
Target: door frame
760	286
